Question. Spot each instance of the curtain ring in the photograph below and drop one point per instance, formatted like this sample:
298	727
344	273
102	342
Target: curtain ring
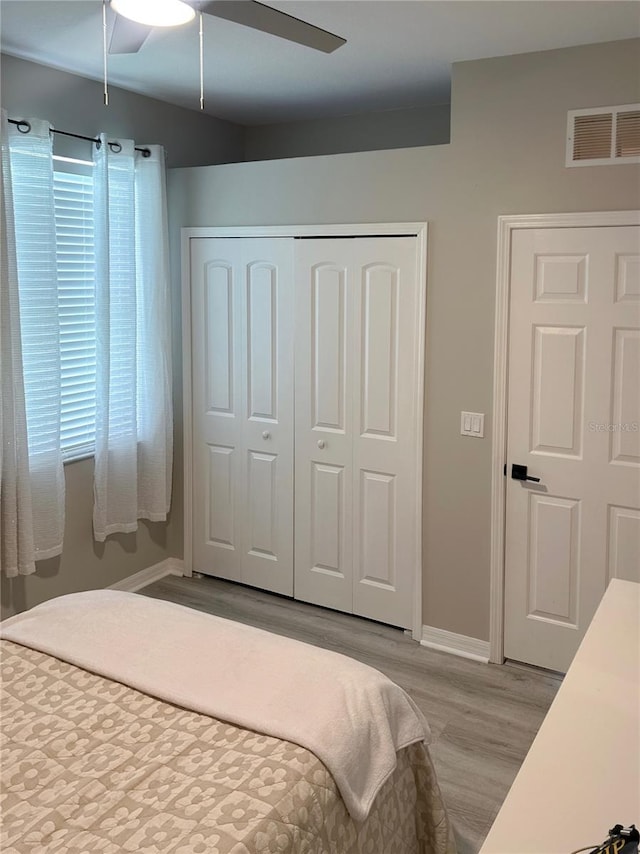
115	147
146	152
23	126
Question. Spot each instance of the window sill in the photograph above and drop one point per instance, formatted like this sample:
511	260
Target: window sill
77	456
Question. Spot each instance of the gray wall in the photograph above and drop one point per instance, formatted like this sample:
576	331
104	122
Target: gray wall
364	132
506	156
74	103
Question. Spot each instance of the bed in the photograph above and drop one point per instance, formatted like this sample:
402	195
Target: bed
130	724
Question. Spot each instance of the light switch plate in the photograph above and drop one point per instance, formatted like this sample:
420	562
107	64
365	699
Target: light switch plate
472	424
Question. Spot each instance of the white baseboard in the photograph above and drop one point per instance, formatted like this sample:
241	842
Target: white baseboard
170	566
445	641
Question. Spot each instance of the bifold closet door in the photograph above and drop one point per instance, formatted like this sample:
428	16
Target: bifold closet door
242	355
357	360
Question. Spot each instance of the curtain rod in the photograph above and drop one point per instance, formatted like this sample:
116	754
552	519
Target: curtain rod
24	127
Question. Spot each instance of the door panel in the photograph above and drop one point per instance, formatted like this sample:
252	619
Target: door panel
379	351
561	278
558	389
625	400
217	405
262	482
624	544
221	480
355	425
384	440
327	520
219	338
573	413
262	340
328	355
324	415
377	530
628	278
242	313
554	525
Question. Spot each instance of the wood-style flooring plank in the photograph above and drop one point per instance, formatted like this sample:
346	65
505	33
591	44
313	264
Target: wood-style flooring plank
483	717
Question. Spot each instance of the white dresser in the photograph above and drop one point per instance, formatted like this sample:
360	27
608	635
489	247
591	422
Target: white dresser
582	773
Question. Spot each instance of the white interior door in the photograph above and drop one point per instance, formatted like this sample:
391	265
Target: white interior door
242	357
573	420
356	374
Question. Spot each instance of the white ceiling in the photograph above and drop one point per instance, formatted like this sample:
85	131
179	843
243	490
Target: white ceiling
398	52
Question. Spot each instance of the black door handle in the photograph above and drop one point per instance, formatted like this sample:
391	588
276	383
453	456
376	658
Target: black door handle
520	473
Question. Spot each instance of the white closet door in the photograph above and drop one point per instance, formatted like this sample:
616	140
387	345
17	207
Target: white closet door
386	361
242	314
356	373
324	417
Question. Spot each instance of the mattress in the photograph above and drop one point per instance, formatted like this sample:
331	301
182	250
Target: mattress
93	765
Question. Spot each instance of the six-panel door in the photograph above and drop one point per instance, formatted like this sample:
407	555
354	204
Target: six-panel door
573	420
242	353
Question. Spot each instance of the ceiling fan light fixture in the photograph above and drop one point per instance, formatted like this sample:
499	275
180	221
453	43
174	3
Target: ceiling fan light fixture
155	13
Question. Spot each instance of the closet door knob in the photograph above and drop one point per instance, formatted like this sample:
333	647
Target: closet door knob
266	435
321	443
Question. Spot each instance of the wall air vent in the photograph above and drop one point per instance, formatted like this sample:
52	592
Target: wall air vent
603	135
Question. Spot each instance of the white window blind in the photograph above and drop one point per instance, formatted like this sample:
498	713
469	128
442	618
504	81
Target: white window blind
73	195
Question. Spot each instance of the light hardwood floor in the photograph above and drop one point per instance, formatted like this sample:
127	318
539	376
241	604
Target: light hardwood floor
483	717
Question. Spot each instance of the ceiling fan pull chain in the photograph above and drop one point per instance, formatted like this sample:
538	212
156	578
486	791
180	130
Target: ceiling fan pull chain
104	52
201	64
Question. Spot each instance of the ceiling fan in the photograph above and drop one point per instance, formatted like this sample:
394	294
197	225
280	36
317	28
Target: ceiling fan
128	35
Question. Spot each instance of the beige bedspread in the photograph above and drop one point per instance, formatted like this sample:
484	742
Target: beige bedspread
91	765
352	717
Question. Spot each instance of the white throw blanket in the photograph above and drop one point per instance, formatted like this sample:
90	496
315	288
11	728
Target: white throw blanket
351	716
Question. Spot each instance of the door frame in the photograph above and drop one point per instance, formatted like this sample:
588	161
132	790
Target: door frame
507	225
377	229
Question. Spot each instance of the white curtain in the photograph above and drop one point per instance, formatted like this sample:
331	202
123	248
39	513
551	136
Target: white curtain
17	551
133	388
32	484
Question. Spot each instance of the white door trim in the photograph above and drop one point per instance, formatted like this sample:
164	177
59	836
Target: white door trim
506	226
395	229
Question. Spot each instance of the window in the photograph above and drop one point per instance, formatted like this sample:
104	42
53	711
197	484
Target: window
73	197
92	289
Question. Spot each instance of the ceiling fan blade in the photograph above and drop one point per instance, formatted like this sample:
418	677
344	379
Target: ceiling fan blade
127	36
250	13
